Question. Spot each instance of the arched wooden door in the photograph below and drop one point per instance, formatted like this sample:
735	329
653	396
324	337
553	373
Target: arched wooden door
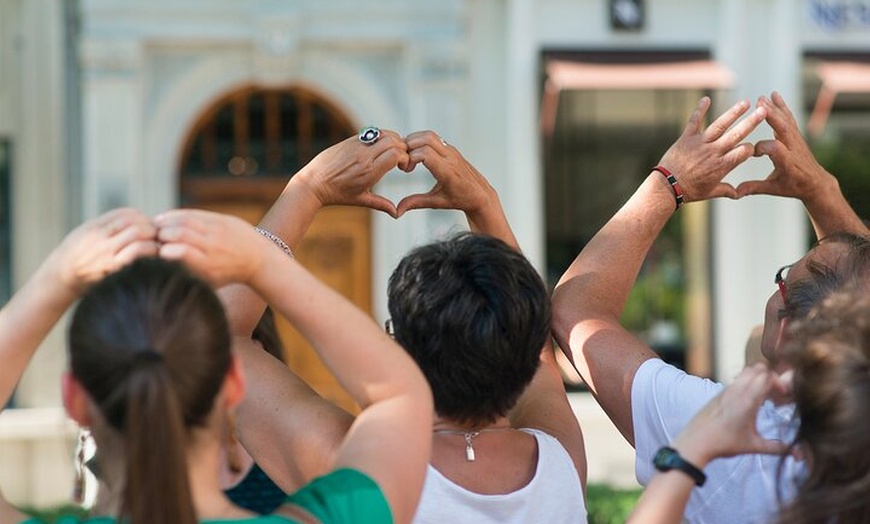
237	158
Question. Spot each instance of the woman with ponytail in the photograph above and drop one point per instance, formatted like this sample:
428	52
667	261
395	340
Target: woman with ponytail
153	376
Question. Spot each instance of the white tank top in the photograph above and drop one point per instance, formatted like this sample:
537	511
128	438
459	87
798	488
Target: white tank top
553	496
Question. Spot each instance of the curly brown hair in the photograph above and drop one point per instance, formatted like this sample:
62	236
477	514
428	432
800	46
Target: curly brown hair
830	351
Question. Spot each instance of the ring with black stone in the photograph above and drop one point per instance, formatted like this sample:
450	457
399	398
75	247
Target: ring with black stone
369	135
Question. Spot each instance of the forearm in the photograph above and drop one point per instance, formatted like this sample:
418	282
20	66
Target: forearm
25	321
364	359
589	299
279	406
830	212
289	219
491	220
598	282
664	499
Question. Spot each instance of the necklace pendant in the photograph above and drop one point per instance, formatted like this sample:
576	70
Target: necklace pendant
469	450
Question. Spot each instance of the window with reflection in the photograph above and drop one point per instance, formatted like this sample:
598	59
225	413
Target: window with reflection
837	102
258	133
604	142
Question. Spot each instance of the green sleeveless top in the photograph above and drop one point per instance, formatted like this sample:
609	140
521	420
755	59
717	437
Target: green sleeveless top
344	496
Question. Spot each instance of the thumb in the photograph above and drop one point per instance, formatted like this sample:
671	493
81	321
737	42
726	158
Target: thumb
724	189
753	187
417	201
379	203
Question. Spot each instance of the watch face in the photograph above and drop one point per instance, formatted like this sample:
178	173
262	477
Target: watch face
668	459
664	459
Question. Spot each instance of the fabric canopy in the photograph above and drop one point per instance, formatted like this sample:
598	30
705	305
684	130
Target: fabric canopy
570	75
836	77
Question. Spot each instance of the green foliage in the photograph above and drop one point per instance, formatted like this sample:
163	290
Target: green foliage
607	505
660	290
849	161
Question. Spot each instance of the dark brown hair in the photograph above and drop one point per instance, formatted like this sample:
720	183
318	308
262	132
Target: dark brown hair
151	346
474	314
830	351
266	333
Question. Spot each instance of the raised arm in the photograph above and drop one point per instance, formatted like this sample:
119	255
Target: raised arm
391	438
459	185
590	296
797	174
343	174
280	407
278	404
88	253
724	428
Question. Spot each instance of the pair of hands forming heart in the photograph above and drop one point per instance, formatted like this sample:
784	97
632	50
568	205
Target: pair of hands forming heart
701	158
345	173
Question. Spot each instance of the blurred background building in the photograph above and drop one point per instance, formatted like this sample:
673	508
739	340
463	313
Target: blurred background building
564	105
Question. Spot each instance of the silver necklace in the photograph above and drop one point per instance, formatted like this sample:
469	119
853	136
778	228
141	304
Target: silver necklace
469	437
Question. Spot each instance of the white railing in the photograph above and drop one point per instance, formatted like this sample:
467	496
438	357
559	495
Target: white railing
36	456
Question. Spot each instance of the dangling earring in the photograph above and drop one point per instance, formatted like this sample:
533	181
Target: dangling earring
79	483
233	461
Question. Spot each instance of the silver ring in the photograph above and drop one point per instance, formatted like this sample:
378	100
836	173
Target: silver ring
443	142
369	135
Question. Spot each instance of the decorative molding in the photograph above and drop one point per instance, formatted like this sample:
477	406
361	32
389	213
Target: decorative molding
111	57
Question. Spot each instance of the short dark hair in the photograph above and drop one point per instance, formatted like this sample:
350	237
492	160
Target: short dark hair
474	314
151	346
852	269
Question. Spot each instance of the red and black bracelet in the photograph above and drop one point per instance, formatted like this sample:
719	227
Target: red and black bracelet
672	180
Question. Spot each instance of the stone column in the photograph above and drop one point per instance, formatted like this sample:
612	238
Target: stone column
759	41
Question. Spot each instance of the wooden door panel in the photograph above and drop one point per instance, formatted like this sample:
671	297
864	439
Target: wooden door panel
336	249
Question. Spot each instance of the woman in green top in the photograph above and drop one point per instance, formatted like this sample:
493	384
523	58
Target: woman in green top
152	374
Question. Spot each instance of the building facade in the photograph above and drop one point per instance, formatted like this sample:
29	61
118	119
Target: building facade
155	104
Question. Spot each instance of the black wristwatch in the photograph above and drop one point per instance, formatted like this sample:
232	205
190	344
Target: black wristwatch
668	458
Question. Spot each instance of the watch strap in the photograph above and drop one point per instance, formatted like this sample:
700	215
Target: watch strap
667	458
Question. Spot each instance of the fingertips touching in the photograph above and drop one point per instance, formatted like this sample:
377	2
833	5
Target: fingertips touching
131	252
418	138
175	251
764	147
726	190
748	188
740	153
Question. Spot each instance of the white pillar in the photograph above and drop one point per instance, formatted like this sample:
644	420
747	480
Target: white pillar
522	196
39	181
112	126
760	42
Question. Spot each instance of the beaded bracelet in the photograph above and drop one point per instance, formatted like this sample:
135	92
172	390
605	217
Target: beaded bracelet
672	180
276	239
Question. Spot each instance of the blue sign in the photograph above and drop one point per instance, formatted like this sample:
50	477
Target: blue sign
839	15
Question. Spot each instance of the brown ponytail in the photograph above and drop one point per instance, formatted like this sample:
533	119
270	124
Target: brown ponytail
155	443
151	345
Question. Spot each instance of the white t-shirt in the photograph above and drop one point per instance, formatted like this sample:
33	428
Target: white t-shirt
553	496
740	489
